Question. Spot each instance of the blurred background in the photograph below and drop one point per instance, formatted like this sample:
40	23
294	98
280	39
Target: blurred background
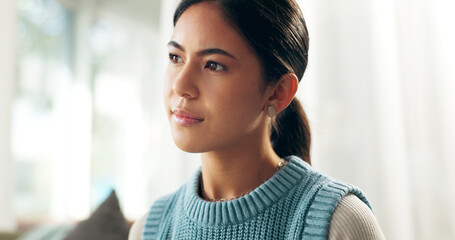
81	110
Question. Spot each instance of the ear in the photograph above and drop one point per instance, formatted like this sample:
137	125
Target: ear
283	92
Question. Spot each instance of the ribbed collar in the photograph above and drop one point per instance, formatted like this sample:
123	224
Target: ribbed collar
248	206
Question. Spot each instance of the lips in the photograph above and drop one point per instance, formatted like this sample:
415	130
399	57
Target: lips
185	118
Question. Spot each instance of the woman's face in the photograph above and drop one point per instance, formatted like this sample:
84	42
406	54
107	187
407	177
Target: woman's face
212	83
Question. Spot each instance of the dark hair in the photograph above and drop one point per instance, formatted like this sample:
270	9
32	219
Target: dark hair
277	32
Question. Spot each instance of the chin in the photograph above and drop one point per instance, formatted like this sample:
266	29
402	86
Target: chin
191	144
190	147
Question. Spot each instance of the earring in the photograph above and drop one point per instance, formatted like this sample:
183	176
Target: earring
271	111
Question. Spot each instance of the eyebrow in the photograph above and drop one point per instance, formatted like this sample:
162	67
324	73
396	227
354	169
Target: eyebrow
203	52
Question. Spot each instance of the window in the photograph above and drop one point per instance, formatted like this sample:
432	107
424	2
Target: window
43	79
88	117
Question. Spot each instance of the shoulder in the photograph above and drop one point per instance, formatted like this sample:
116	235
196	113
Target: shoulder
136	229
153	217
328	200
353	219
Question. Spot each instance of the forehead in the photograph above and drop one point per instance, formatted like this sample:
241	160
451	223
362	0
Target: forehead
204	25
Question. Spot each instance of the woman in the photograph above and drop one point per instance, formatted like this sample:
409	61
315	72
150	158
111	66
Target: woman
229	94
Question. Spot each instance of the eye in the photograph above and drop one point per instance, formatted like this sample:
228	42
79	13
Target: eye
214	66
175	58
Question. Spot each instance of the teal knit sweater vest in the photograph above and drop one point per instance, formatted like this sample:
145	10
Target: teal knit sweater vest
296	203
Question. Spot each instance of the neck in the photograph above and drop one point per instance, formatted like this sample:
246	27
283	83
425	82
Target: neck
238	170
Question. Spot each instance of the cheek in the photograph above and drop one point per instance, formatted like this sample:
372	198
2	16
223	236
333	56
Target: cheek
236	102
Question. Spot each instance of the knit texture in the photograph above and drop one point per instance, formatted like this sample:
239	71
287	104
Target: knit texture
296	203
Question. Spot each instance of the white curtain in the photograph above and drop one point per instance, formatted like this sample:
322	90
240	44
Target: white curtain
379	94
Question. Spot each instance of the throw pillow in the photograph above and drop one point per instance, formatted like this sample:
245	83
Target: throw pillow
106	223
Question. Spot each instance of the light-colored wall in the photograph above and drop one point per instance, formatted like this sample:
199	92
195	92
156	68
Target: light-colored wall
8	16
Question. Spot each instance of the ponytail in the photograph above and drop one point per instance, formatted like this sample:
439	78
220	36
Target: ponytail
290	133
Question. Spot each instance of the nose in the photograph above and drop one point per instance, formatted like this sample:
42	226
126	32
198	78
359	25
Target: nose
184	84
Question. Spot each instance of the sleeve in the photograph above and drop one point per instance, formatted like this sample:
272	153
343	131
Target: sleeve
136	229
352	219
